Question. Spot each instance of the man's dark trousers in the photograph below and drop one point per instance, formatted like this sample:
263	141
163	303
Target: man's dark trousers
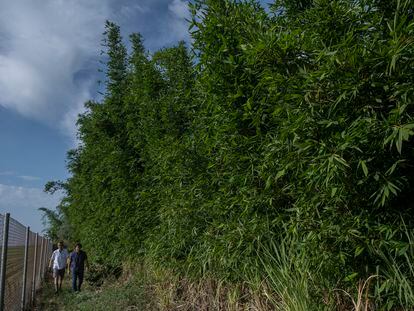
77	279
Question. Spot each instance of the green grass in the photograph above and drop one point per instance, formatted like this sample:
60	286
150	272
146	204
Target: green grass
112	295
290	285
290	276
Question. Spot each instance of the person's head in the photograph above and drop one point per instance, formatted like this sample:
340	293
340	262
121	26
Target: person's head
60	245
78	247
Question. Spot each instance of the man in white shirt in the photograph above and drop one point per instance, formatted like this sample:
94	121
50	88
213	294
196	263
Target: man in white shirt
59	260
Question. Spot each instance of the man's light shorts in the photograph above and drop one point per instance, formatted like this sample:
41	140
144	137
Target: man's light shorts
59	272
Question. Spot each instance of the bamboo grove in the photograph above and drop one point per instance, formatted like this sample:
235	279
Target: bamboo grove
278	147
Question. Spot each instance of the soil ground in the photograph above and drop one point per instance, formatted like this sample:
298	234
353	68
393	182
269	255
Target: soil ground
112	295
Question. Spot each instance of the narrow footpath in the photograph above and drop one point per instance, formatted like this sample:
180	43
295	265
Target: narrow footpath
113	295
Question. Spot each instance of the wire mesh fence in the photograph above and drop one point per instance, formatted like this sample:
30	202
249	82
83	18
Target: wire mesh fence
24	257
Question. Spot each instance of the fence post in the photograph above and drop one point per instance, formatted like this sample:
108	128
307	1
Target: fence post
42	274
26	255
4	259
41	259
46	254
34	270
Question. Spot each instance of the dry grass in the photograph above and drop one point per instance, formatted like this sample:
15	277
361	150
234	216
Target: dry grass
362	301
208	295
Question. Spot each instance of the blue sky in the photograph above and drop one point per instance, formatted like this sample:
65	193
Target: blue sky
49	60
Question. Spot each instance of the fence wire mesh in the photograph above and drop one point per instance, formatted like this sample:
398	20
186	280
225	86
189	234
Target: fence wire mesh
30	266
14	266
1	235
1	229
17	288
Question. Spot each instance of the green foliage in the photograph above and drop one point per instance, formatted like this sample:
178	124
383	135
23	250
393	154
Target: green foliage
57	222
112	295
395	285
290	275
52	219
298	123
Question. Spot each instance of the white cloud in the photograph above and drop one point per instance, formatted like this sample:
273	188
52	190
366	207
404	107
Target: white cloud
68	121
131	10
43	46
178	23
22	204
7	173
25	197
180	9
49	50
23	177
29	178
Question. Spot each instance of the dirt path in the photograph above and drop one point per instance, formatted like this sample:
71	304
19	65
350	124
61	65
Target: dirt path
112	295
48	300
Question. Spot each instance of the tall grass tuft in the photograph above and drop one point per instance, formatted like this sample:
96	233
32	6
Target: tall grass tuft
396	285
362	301
290	276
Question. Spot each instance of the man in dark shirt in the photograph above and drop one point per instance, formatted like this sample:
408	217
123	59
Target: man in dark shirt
77	261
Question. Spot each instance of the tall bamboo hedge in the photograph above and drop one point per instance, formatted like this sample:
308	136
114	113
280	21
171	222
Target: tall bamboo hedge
289	123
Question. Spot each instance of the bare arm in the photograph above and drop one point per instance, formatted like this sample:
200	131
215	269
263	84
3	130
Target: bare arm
68	263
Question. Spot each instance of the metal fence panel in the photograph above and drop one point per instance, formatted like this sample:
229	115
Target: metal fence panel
14	267
13	263
1	234
30	266
39	262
